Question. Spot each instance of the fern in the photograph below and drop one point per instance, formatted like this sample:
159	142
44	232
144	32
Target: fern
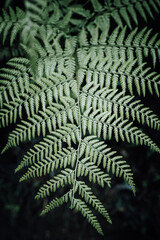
125	11
78	84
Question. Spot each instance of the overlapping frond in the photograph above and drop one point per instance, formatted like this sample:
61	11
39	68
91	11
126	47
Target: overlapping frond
52	143
101	155
125	11
11	23
65	177
45	121
115	74
121	105
14	80
106	125
57	202
85	167
118	43
60	160
31	96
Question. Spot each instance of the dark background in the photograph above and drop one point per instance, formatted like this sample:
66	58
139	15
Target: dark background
132	216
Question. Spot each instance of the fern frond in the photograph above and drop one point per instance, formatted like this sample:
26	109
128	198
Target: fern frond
101	154
57	202
42	123
125	12
40	95
111	73
90	198
60	160
35	100
112	127
35	9
14	80
48	56
114	101
11	23
95	174
51	143
138	43
65	177
79	205
78	86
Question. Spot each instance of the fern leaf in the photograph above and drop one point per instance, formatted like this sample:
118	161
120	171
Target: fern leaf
79	205
100	153
11	23
75	84
51	143
66	176
61	159
123	106
89	197
121	12
57	202
139	44
47	121
95	174
117	127
119	73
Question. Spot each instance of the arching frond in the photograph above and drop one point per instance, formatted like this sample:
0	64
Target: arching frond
65	177
121	43
100	154
121	105
111	73
95	174
57	202
106	125
61	159
89	197
47	121
125	11
51	143
14	80
79	205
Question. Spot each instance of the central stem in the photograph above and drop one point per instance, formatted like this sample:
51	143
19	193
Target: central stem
78	149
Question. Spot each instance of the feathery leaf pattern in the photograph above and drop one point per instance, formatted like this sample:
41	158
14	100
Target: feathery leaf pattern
77	84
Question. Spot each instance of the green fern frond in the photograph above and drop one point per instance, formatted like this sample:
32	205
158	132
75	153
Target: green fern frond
65	177
60	160
114	101
57	202
90	198
79	205
11	23
112	73
51	143
14	80
95	174
40	95
100	154
47	121
125	12
75	84
140	44
107	124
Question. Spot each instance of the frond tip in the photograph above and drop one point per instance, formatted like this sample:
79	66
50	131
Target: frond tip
79	205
